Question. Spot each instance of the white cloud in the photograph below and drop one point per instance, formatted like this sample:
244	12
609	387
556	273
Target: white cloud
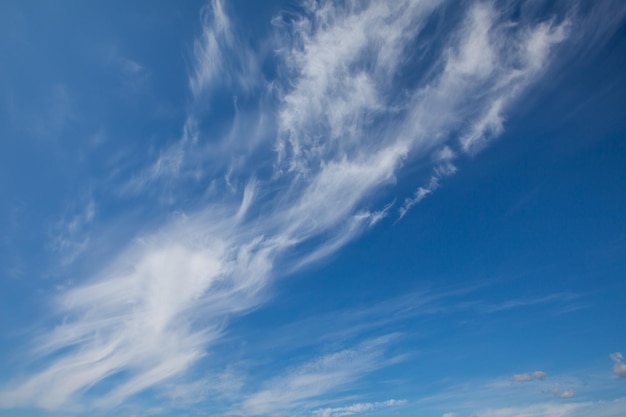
563	298
210	47
221	58
612	408
420	194
532	376
500	398
345	126
443	168
303	386
70	234
358	408
536	410
489	64
619	368
168	167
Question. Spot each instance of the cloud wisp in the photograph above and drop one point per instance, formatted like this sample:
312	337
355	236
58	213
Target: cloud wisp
357	408
302	387
532	376
503	398
619	368
345	125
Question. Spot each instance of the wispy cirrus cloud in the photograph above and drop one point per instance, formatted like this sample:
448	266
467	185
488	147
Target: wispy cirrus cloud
358	408
565	299
221	57
531	376
303	387
70	233
342	126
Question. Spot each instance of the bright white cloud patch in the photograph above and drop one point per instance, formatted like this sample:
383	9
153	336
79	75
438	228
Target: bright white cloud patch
344	123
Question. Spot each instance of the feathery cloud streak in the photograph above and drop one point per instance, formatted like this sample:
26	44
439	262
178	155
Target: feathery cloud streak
302	387
346	121
537	375
356	408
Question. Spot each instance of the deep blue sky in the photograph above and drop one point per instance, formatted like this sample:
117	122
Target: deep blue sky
410	208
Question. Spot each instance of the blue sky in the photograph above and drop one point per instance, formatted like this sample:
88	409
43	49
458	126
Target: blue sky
325	209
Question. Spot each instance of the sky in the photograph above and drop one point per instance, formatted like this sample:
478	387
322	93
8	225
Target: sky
410	208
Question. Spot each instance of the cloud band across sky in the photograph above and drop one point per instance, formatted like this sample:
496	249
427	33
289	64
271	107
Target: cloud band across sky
361	92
